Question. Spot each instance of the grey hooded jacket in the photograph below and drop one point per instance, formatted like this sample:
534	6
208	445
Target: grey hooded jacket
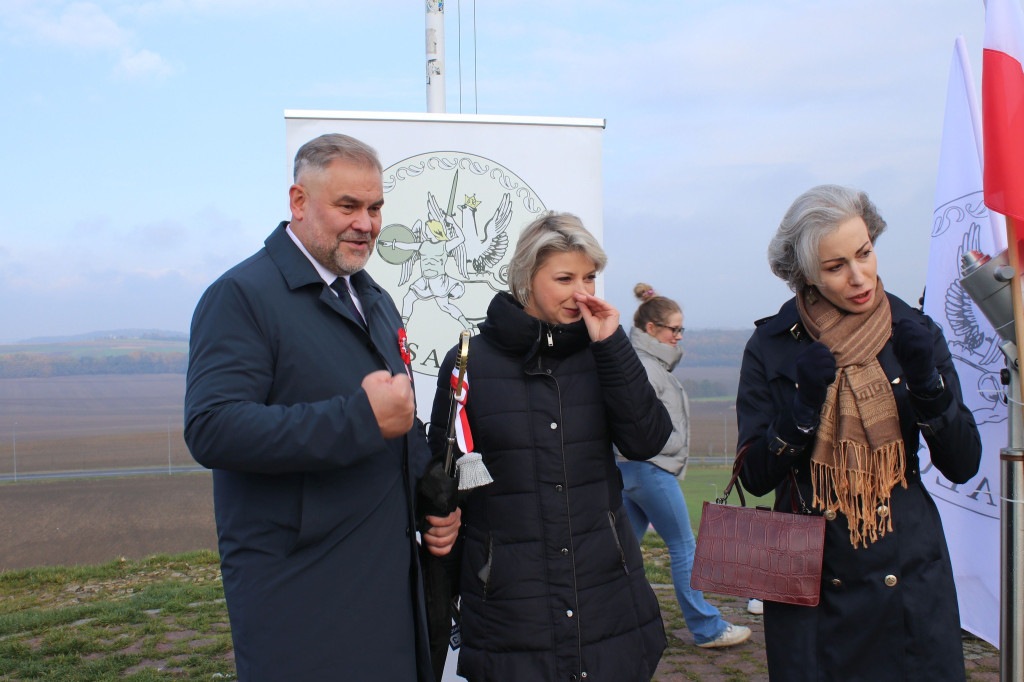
659	359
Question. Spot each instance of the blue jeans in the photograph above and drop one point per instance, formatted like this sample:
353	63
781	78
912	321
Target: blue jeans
652	494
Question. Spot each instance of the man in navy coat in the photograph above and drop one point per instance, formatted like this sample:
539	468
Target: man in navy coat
299	398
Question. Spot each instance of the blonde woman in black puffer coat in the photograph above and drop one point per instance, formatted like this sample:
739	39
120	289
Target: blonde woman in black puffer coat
552	580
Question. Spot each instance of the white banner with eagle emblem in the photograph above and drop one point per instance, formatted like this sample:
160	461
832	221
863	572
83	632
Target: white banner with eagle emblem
961	222
458	189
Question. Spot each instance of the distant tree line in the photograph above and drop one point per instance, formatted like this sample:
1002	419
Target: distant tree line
703	348
715	347
39	365
163	336
705	388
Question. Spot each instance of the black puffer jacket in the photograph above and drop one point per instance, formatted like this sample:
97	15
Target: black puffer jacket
552	583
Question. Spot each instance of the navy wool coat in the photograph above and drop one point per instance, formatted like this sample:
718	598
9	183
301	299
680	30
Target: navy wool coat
552	580
887	611
313	506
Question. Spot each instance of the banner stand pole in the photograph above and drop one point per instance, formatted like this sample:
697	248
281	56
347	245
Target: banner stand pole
436	91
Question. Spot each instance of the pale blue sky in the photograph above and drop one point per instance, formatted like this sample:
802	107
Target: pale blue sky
143	142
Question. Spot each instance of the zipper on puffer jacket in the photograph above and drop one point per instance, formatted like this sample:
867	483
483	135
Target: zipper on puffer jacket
618	543
485	573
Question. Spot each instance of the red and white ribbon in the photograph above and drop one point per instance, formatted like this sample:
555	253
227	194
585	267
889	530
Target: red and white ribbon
462	432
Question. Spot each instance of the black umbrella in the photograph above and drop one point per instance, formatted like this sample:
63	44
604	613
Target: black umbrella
439	492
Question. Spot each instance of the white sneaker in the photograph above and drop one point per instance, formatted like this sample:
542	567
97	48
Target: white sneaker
756	607
733	634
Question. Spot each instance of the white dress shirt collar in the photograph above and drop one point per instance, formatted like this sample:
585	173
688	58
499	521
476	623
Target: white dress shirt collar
326	275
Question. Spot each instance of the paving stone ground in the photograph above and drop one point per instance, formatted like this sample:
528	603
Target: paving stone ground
685	662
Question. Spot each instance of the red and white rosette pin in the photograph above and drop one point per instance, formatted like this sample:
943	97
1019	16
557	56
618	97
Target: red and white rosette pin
403	349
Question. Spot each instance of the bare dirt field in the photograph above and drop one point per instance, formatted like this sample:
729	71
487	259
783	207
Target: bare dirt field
712	426
712	421
91	422
90	452
90	405
94	520
114	421
728	376
110	422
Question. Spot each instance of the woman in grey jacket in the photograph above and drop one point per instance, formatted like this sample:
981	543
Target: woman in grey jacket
651	492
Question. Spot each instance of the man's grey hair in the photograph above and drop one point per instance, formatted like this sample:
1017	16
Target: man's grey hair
793	251
319	152
549	234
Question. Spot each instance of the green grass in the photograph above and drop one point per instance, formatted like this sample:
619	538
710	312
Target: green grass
704	482
159	618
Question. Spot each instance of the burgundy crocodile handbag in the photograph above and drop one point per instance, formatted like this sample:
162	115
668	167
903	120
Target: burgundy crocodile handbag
756	552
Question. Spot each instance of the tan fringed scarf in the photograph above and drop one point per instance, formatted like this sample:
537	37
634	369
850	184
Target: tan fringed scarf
859	453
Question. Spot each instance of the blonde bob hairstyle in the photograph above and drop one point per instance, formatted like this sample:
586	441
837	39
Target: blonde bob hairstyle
549	234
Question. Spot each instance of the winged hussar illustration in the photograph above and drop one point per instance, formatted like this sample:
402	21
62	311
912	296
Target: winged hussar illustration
480	248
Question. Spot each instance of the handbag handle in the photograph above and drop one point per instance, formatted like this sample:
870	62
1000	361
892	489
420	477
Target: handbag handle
737	466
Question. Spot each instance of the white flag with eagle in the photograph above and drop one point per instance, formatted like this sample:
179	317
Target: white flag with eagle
961	223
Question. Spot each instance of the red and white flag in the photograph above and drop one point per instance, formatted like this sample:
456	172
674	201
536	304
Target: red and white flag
1002	96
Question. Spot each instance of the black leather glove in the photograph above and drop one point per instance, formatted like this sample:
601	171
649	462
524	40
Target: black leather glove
914	350
438	492
815	370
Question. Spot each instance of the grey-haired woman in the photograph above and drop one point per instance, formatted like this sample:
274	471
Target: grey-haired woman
838	388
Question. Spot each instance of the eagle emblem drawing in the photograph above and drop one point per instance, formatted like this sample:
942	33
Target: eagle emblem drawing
453	219
969	335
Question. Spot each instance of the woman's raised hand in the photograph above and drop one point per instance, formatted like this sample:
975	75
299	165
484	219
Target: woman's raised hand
600	316
815	371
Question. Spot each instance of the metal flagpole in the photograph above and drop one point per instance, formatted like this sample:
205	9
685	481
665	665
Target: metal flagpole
435	56
986	281
1011	462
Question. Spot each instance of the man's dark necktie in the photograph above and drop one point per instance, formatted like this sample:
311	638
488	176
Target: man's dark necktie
341	286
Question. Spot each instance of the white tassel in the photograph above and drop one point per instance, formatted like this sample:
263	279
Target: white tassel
472	472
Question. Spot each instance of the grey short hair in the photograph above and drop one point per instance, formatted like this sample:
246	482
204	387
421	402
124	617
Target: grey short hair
793	251
319	152
549	234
